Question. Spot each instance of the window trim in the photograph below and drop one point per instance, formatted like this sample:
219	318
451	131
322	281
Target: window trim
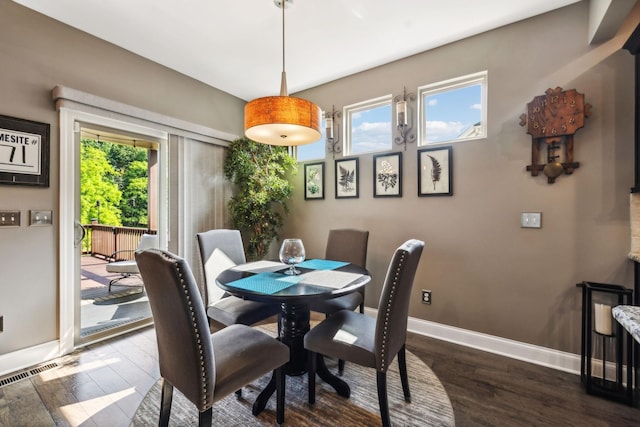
481	78
369	104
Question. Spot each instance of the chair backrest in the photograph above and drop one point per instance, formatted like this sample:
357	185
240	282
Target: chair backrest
219	249
349	245
393	309
147	241
185	351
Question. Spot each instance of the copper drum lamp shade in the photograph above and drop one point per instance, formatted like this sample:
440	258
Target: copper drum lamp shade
282	120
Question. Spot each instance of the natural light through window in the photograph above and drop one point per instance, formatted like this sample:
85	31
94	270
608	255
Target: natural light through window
315	150
368	127
453	110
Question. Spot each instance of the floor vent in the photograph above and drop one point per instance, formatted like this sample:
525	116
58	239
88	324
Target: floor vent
26	374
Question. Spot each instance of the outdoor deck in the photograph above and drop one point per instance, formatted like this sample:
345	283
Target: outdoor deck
101	310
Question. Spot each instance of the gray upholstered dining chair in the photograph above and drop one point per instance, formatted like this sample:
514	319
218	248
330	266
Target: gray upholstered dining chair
371	342
349	245
204	367
219	250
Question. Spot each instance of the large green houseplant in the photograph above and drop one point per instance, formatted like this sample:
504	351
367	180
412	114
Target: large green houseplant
258	208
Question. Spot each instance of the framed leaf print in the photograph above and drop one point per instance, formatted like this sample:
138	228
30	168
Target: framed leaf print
387	175
314	181
347	178
435	172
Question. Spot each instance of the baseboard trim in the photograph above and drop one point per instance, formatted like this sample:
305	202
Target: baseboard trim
21	359
555	359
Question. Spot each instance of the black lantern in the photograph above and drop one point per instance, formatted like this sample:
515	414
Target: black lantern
605	346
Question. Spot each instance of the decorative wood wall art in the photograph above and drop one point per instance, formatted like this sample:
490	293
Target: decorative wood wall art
552	120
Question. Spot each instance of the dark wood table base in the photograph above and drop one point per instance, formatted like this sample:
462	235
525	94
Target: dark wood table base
294	324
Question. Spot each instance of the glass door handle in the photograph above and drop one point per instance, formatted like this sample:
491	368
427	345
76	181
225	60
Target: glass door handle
80	232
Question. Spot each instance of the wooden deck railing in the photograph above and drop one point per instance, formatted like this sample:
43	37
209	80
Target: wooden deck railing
104	240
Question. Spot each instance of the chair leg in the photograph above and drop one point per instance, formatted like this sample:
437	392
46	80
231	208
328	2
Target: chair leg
381	380
280	390
340	367
117	279
239	393
205	418
402	365
165	403
312	377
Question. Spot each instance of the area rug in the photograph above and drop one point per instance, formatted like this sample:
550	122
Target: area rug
430	405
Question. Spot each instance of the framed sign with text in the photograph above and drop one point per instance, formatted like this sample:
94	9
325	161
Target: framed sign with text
24	152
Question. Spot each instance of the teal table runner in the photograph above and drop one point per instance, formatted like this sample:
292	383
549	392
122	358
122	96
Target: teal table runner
266	283
321	264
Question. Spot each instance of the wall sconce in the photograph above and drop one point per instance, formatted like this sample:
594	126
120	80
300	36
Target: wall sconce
332	131
402	118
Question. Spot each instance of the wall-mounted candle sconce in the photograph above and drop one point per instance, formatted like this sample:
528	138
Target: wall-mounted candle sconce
402	118
332	130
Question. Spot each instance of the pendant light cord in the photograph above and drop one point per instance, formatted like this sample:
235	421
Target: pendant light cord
283	81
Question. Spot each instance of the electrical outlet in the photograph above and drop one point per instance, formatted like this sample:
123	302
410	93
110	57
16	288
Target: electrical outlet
426	297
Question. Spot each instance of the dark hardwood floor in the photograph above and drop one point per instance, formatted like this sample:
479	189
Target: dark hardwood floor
102	385
491	390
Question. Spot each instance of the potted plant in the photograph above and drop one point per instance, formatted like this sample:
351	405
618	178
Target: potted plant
258	208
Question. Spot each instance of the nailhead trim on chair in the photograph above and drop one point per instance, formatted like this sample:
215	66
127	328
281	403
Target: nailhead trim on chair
388	311
198	339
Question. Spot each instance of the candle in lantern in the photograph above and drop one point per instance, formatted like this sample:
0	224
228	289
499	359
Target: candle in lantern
401	112
603	319
329	127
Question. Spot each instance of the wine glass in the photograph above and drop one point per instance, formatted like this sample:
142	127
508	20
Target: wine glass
292	253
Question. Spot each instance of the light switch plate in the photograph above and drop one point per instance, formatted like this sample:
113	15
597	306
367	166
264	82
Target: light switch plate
10	218
531	220
40	218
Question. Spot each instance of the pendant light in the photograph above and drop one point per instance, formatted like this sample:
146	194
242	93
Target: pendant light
282	120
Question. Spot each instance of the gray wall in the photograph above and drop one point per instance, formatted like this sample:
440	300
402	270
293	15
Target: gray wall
487	274
37	54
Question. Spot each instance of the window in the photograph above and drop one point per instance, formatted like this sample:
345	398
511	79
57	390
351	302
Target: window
368	126
453	110
314	150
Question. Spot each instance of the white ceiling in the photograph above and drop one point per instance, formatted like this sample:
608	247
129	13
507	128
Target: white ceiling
236	46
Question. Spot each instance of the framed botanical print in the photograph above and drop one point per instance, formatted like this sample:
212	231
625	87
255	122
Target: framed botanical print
387	175
435	172
347	178
314	181
24	152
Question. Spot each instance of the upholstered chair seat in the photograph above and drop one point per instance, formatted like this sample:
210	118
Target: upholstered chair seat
205	367
367	341
221	249
348	245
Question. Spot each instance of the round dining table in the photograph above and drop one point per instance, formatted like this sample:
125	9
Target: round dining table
318	279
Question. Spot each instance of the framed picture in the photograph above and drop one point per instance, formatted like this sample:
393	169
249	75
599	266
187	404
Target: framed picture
387	175
347	178
434	172
314	181
24	152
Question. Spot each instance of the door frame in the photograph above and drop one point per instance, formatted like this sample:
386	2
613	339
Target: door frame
69	278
